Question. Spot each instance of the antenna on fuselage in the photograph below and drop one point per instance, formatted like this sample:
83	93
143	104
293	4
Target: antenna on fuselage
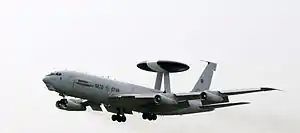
163	69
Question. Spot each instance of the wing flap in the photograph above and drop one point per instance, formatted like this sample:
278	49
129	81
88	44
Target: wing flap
114	109
187	96
244	91
131	99
223	105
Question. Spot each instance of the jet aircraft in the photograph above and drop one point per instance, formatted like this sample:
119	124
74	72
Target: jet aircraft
122	98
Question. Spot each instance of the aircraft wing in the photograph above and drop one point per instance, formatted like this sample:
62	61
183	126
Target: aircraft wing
131	99
222	105
244	91
148	98
151	101
196	95
143	99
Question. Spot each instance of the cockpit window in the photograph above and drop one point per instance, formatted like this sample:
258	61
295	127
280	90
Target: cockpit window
56	73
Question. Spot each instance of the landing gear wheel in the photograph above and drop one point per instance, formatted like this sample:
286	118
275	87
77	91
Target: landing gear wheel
57	104
144	116
61	104
114	117
149	116
123	118
118	118
64	101
154	117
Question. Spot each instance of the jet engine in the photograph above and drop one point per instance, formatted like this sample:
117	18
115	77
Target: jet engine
212	97
162	99
70	105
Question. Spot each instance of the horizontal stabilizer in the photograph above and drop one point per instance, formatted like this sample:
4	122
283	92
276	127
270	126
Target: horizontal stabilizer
244	91
223	105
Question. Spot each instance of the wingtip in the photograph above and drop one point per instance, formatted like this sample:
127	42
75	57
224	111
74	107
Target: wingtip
244	103
269	89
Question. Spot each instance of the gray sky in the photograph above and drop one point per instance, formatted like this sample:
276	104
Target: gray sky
255	43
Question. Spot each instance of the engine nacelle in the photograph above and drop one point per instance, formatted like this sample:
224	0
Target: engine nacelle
162	99
212	97
70	105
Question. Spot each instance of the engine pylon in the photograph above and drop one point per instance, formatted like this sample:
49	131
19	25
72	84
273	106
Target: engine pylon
163	68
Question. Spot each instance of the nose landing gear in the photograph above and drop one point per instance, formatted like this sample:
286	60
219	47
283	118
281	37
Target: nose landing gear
62	102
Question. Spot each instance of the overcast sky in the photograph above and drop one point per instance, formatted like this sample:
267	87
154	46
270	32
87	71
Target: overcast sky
255	43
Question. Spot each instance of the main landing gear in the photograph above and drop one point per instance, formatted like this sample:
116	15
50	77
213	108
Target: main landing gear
149	116
118	117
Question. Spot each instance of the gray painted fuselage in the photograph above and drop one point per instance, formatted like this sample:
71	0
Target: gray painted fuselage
99	89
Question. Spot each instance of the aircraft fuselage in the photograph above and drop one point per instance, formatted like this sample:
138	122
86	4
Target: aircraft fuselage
99	89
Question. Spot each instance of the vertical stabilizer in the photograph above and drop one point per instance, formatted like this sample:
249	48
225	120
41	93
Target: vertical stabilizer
205	79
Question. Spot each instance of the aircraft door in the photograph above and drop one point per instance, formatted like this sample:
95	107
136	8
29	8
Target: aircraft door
81	86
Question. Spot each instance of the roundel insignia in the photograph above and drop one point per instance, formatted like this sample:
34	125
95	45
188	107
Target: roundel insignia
201	80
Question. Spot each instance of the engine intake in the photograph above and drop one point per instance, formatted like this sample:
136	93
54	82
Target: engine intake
162	99
212	97
70	105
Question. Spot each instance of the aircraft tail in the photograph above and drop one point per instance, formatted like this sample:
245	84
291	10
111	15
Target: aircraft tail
205	79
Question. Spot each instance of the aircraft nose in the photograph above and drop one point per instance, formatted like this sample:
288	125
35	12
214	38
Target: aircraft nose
47	82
